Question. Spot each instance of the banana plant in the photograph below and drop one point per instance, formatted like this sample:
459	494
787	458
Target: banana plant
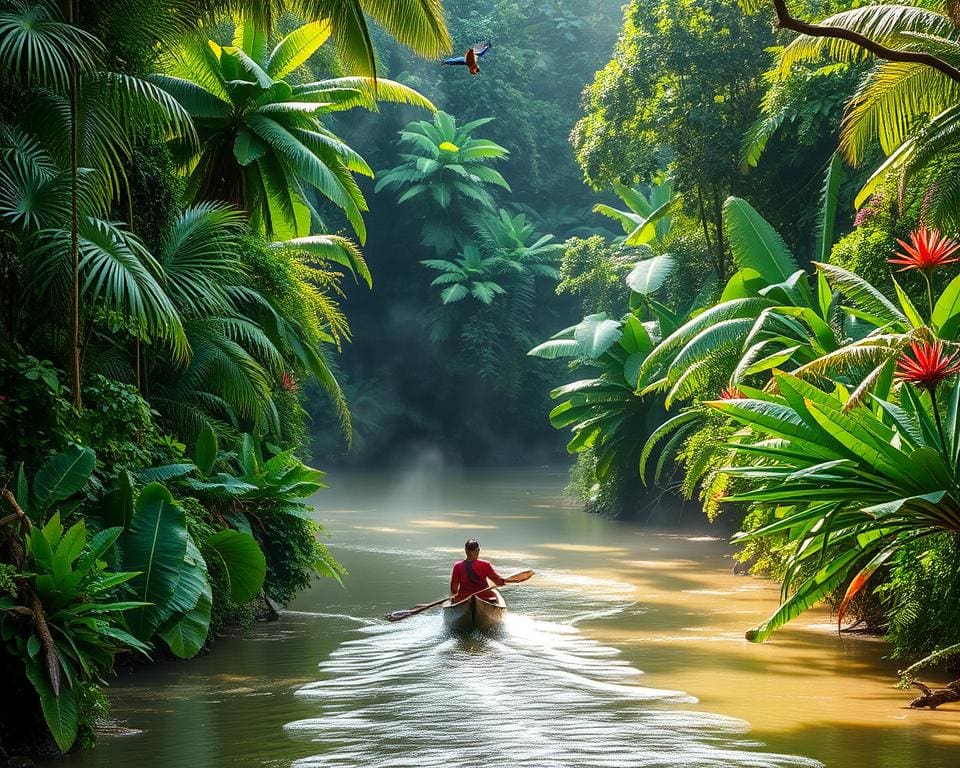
647	220
605	413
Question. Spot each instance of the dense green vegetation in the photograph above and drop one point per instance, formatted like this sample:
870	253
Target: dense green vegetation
762	354
170	280
702	216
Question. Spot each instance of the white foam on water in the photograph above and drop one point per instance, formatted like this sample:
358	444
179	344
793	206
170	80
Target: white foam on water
536	694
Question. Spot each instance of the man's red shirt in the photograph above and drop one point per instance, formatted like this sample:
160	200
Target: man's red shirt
463	584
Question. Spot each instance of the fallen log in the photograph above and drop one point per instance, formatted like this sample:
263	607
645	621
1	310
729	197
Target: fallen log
934	697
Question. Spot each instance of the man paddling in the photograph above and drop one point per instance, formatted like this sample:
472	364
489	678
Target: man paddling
470	575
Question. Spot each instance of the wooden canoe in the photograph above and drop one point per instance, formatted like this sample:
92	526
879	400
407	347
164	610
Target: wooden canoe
473	613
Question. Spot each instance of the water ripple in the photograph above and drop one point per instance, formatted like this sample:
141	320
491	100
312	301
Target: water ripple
537	694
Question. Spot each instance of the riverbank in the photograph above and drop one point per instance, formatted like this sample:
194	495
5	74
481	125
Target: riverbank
609	601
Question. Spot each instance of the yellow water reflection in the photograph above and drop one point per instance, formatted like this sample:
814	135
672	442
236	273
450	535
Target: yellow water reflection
452	524
593	548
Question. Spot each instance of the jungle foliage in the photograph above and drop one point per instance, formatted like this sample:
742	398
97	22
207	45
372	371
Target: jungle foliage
168	178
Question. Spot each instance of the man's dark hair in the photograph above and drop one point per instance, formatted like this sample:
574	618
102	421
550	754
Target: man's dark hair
471	545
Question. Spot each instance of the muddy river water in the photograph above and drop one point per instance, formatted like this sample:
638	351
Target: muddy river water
625	650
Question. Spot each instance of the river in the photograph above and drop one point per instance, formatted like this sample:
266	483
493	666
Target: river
625	650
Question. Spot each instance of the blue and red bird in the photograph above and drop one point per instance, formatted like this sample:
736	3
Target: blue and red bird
469	58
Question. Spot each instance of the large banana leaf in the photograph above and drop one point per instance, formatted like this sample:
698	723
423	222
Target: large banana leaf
60	477
242	561
755	243
155	544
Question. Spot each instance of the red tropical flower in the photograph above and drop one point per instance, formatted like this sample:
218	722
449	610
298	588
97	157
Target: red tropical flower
928	367
731	393
288	383
926	250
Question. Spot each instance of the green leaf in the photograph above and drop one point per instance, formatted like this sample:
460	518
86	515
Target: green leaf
828	207
243	562
155	544
596	334
248	148
946	312
812	591
744	283
62	476
908	308
117	503
297	47
650	274
755	244
186	634
59	712
205	453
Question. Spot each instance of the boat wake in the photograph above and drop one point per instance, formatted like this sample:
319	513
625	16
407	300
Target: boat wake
536	694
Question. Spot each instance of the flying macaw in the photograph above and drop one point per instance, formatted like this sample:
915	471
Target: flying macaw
470	57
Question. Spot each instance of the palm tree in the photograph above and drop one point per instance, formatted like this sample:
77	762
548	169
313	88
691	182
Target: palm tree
114	272
247	333
263	143
418	24
450	167
82	115
906	104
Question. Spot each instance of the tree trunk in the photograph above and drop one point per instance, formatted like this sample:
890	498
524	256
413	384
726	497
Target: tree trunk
74	230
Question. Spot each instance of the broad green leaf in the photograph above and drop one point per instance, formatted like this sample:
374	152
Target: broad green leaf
650	274
946	312
155	544
59	711
755	244
205	452
243	562
743	284
62	476
117	504
248	148
596	334
812	591
908	307
186	633
297	47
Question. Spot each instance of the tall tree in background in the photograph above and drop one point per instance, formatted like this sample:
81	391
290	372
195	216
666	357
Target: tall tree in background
682	88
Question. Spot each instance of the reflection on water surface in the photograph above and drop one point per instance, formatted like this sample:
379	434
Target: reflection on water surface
535	693
598	665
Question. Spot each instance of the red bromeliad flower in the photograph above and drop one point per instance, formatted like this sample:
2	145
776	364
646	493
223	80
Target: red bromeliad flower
927	250
928	367
288	383
731	393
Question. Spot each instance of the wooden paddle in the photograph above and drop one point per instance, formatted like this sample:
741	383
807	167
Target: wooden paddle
515	578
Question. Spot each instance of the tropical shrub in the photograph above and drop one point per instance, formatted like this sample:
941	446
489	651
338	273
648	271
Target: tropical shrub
65	618
853	484
609	420
908	108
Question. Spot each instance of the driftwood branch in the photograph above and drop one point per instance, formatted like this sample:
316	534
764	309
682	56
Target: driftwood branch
18	514
786	21
934	697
